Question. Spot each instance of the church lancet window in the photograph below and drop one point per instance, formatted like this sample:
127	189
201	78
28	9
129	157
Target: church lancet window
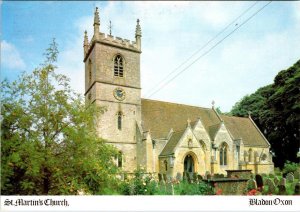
119	120
223	155
90	70
166	165
118	66
120	160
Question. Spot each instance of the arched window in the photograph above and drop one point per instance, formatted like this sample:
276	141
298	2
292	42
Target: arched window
119	120
118	66
120	160
223	155
166	165
90	70
250	155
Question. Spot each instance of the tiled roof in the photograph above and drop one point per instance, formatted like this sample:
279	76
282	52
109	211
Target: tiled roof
160	117
212	130
245	129
170	146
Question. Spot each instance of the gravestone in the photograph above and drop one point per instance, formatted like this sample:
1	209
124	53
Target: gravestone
160	178
259	181
282	182
282	190
222	176
178	176
297	189
251	184
165	177
290	177
208	176
206	173
271	187
276	180
195	179
297	174
170	189
200	178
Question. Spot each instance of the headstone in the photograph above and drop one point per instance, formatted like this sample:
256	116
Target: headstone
165	177
290	177
178	176
160	178
216	176
200	178
222	176
170	188
208	176
207	173
297	174
276	180
282	182
259	181
282	190
271	187
195	179
297	189
251	184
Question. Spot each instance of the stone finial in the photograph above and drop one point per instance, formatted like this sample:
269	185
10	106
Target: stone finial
138	34
96	24
213	104
189	122
85	42
249	114
138	31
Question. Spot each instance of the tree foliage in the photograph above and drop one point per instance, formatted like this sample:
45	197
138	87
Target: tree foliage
49	143
275	109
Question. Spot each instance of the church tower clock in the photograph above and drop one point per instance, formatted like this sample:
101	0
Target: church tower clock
112	81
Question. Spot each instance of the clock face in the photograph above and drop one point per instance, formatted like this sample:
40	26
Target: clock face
119	94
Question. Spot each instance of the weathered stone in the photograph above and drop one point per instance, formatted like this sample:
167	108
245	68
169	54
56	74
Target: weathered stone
195	179
222	176
297	174
208	176
276	180
165	177
178	176
189	178
206	173
282	182
160	178
259	181
290	177
251	184
282	190
200	178
271	187
297	189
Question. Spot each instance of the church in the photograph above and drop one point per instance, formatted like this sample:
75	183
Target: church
163	137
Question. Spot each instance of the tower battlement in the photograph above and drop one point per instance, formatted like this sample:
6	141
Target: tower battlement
111	40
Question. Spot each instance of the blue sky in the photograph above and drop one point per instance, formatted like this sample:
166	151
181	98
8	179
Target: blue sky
171	32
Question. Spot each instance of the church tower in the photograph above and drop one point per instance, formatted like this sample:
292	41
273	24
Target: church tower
112	81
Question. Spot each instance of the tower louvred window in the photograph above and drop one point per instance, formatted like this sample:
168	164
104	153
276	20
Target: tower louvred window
118	66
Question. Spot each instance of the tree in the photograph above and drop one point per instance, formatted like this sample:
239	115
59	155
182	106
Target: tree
276	110
49	142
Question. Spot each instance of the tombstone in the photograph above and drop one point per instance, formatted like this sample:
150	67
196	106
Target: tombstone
297	189
251	184
189	178
200	178
178	176
271	187
170	188
160	178
208	177
259	181
290	177
206	173
276	180
282	182
195	179
297	174
222	176
216	176
282	190
165	177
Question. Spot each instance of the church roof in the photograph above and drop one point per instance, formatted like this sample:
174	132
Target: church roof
170	146
160	117
244	128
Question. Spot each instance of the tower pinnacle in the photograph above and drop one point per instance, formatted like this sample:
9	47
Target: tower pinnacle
96	24
138	34
85	42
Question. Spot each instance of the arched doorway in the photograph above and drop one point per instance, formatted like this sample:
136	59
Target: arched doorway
189	165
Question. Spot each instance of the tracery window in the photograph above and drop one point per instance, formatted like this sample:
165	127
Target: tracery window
119	120
90	70
223	154
118	66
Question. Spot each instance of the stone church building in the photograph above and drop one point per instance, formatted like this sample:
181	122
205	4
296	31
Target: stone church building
163	137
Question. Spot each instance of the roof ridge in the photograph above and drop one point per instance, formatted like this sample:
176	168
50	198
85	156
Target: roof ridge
174	103
229	116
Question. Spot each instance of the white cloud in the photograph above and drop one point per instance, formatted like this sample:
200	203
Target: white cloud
10	56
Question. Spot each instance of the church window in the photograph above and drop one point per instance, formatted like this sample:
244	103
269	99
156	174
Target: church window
166	165
223	155
90	70
250	155
119	120
120	160
118	66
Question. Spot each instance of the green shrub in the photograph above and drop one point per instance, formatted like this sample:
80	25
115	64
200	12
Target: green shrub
185	188
290	167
